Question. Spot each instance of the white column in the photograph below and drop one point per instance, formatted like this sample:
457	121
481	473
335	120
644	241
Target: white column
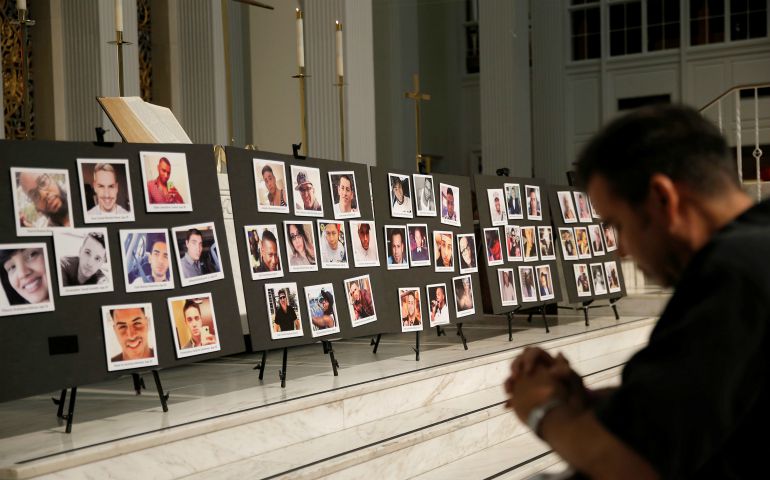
505	97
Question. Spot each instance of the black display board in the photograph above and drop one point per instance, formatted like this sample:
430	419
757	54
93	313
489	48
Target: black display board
490	276
423	275
568	265
240	168
64	348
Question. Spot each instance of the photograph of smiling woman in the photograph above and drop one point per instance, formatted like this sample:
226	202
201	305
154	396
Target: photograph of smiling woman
25	279
83	261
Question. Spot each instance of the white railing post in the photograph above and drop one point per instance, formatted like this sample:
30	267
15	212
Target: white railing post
719	107
757	151
738	140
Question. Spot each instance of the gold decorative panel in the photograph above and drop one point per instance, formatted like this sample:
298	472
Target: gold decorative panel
13	76
145	48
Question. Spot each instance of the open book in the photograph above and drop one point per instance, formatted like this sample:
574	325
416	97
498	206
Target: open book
140	122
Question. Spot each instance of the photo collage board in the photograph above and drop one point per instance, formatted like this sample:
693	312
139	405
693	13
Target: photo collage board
518	244
301	227
586	246
114	259
428	249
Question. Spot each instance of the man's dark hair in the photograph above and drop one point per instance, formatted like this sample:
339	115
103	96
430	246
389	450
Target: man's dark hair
164	160
394	232
112	311
672	140
98	237
363	228
268	235
267	168
190	303
152	239
191	232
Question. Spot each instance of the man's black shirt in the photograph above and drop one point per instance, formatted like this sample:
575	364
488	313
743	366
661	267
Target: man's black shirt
695	401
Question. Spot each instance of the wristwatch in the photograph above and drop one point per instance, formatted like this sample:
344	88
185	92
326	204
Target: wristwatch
535	418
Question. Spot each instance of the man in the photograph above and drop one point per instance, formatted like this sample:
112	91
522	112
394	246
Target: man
269	259
285	318
583	212
157	258
332	250
191	262
306	193
544	288
582	280
533	205
86	268
106	188
546	242
131	327
326	318
448	212
199	333
412	317
439	313
276	197
426	201
396	256
444	254
566	208
467	253
569	244
596	243
48	197
161	190
361	301
599	283
498	215
363	252
401	203
692	402
514	202
346	194
419	251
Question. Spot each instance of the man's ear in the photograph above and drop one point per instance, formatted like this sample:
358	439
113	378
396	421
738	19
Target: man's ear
664	200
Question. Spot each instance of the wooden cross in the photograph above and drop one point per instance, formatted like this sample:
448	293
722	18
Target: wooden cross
417	96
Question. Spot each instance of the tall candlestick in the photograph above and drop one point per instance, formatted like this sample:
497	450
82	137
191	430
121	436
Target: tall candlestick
119	15
340	69
300	40
21	4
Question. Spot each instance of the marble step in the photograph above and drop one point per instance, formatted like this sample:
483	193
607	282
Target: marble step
271	429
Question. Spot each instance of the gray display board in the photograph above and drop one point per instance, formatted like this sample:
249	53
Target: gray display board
243	185
490	276
64	348
422	276
557	195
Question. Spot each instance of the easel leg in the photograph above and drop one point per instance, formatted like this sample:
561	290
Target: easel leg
328	349
613	304
71	410
529	317
375	342
462	335
261	365
545	320
138	383
585	314
163	396
60	403
440	331
510	326
282	371
416	347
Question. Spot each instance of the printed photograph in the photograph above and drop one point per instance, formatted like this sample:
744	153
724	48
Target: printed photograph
197	254
593	211
333	241
581	238
344	194
545	238
166	182
597	240
583	210
146	260
609	237
513	201
567	207
400	196
194	324
599	280
322	310
513	244
306	184
534	207
527	284
438	307
129	336
544	282
450	204
282	300
613	279
264	252
26	279
105	190
425	195
466	252
270	180
83	261
410	308
529	244
419	251
568	248
443	251
300	246
364	240
497	212
507	288
493	246
360	300
395	245
583	284
42	200
463	288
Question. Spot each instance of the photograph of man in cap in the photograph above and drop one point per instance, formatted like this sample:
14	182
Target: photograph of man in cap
306	200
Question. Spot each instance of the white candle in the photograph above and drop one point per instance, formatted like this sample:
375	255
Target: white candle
340	70
21	4
300	40
119	15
